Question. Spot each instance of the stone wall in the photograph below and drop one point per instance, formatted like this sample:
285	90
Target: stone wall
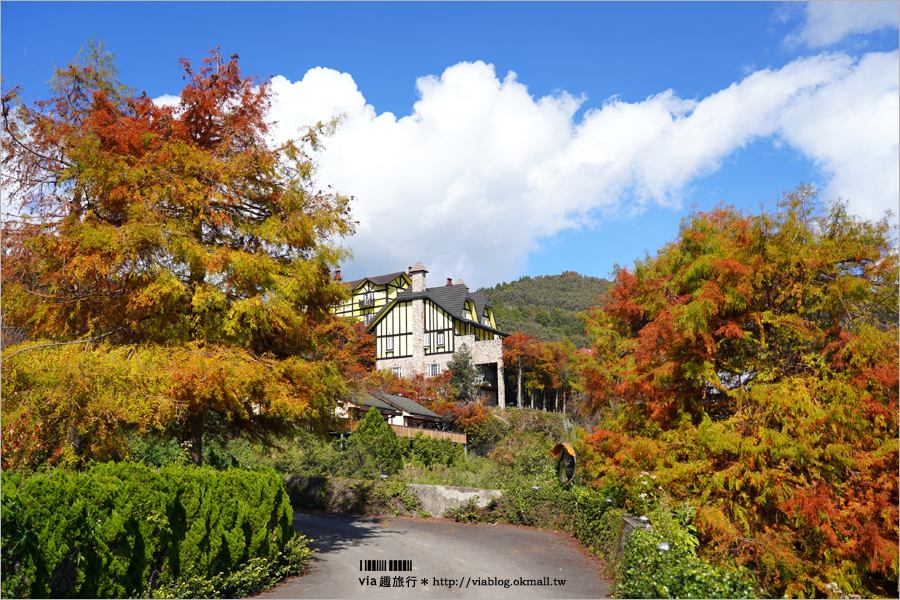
436	499
487	352
319	493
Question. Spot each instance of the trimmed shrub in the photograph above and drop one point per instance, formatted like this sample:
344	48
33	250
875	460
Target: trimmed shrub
123	529
254	577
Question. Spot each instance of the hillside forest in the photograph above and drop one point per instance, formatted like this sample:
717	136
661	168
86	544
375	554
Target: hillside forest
547	307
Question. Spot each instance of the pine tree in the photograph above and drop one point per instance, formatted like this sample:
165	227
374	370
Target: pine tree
376	438
463	375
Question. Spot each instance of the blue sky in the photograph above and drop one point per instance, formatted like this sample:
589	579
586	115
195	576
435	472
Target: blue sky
495	140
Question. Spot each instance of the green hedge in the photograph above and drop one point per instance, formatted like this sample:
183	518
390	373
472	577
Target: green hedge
647	572
124	530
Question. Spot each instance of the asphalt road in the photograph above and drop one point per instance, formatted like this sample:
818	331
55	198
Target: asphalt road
446	560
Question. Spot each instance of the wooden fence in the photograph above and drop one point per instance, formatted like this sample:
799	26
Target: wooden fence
459	438
403	431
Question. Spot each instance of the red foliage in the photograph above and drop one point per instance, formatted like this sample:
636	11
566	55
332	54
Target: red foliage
26	444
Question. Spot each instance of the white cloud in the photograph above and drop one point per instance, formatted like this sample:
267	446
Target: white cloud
167	100
480	171
851	128
829	22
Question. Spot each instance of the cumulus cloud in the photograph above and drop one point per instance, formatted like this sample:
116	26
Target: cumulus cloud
826	23
480	171
167	100
851	128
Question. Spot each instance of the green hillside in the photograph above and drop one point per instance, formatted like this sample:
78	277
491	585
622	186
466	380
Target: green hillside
547	306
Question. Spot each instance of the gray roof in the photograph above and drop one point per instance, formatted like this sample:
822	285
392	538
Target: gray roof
364	399
379	280
480	301
410	406
451	298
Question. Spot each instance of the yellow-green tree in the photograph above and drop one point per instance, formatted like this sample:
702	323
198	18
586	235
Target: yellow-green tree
179	232
750	368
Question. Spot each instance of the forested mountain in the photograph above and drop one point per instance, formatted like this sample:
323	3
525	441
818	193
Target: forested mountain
547	306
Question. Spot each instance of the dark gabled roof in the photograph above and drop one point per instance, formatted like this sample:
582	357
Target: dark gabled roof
480	301
410	406
378	280
367	400
451	298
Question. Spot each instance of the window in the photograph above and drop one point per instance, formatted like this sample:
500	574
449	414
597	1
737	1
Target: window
368	318
368	299
485	321
397	371
389	344
440	341
428	340
434	370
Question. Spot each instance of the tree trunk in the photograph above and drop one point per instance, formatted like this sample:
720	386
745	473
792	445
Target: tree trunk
519	386
193	435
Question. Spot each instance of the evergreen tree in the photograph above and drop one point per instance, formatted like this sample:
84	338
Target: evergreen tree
375	438
463	375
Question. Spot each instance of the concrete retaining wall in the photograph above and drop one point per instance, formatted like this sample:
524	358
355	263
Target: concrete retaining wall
436	499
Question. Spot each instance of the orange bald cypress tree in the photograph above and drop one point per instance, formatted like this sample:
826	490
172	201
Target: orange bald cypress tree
182	227
751	367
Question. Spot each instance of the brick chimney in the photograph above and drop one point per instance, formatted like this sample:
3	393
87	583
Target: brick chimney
417	274
337	275
449	281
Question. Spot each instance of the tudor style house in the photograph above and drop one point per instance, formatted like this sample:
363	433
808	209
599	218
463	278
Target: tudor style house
418	329
370	294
